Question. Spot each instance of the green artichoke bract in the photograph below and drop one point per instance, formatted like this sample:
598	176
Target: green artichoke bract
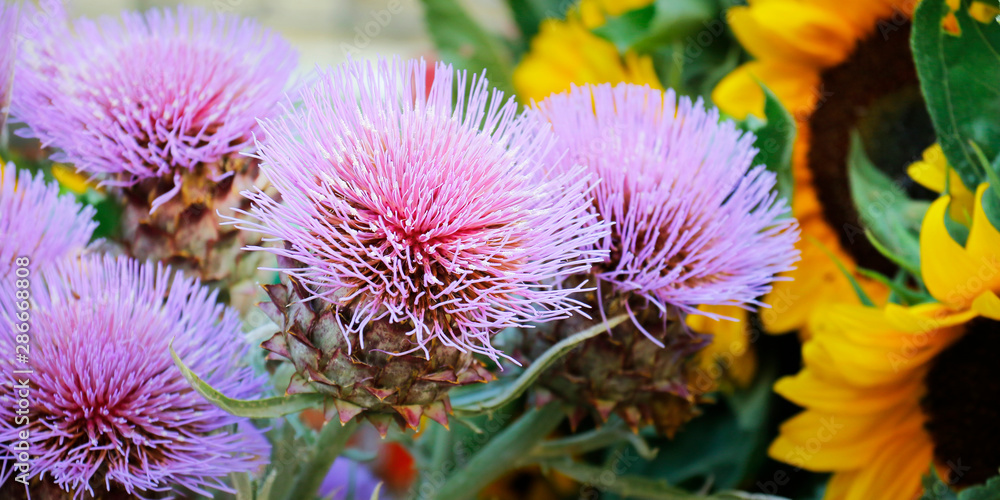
365	382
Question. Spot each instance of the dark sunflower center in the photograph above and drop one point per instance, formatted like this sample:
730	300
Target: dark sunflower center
963	405
876	92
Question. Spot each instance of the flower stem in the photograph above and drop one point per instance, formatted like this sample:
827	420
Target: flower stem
502	453
331	441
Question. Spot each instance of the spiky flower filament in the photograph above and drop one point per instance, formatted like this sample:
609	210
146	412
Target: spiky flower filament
423	205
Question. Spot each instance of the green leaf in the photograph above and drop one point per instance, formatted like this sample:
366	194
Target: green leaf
935	488
529	14
462	42
528	377
260	408
626	29
331	441
502	453
991	198
774	142
243	485
909	296
960	79
628	486
376	491
676	19
608	435
885	209
988	491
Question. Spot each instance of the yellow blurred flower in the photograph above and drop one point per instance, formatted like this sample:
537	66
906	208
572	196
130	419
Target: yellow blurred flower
798	45
889	391
69	178
729	356
566	52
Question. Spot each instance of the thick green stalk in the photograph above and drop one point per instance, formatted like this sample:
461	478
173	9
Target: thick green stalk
502	453
331	441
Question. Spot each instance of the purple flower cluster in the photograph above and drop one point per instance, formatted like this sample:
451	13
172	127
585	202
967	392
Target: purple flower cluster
36	222
148	94
9	17
693	222
110	409
422	205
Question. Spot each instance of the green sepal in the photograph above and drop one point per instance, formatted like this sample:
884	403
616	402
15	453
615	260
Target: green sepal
774	142
474	403
958	76
860	292
259	408
625	30
892	221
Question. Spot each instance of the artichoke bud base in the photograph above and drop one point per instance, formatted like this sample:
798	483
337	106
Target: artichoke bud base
186	232
624	372
364	382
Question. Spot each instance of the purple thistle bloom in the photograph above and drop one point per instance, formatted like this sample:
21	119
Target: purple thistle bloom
37	223
109	410
396	206
8	51
693	223
348	476
148	94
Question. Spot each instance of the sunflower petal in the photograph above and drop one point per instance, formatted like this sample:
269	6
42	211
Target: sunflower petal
944	265
793	31
739	93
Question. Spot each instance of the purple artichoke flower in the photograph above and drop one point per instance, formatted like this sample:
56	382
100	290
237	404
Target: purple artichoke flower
694	223
347	476
108	408
37	223
9	16
149	95
397	207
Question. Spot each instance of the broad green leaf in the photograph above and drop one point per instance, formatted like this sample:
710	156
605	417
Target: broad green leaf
530	375
935	488
462	42
680	21
885	209
774	142
260	408
988	491
960	79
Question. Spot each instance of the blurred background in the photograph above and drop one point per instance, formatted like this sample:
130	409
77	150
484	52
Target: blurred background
324	31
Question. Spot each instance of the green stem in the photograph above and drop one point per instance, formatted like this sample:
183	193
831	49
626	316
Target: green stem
502	453
331	441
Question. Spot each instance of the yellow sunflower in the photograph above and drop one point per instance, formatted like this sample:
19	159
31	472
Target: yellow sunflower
828	62
962	275
889	391
566	52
